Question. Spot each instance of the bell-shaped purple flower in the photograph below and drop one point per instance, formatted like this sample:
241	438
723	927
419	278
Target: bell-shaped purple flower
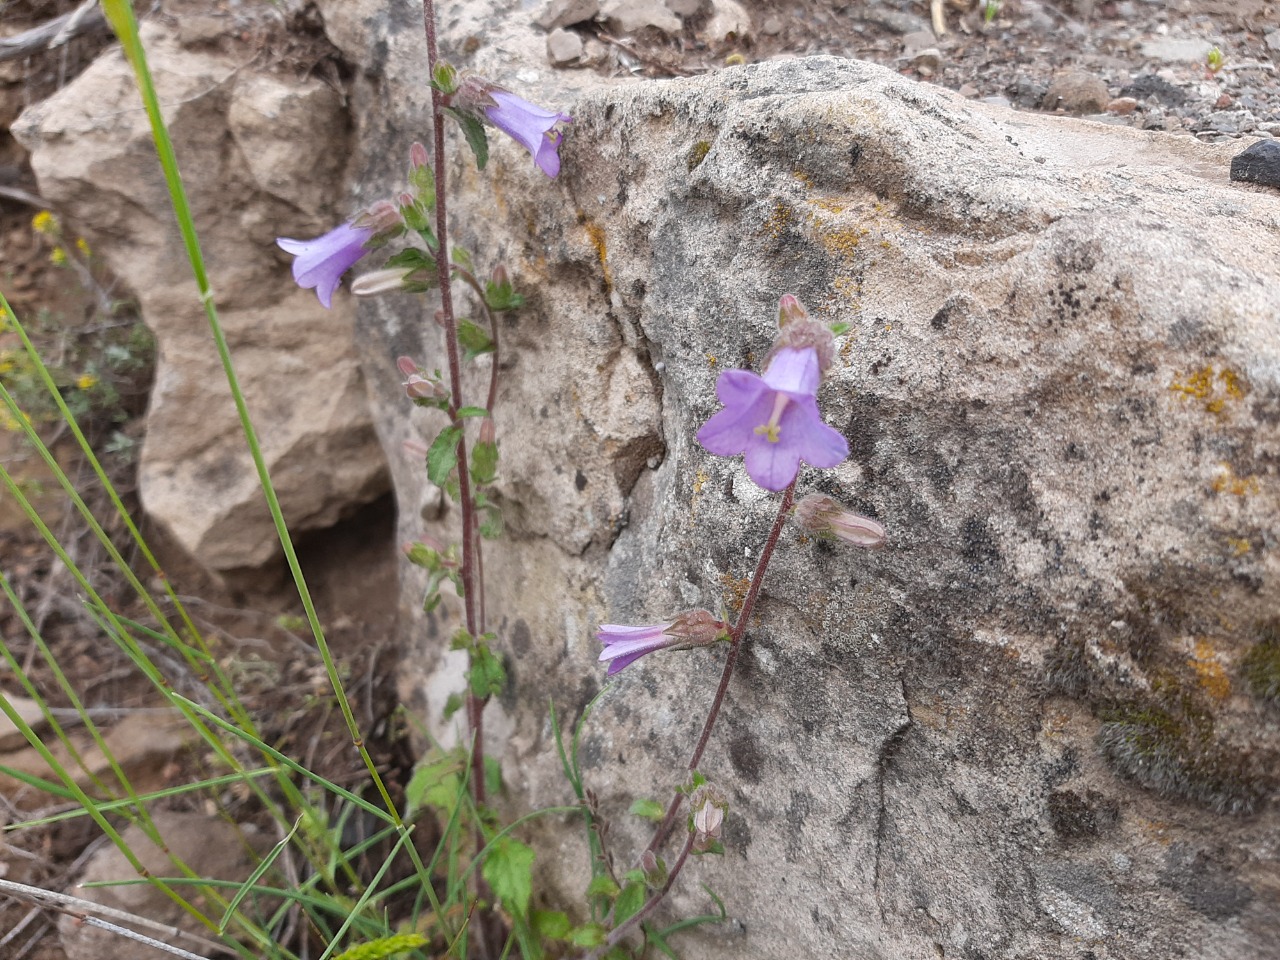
529	125
625	645
774	420
321	262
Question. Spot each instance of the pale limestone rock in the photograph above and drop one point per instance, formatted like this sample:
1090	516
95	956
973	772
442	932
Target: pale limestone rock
632	16
728	19
278	174
563	47
565	13
211	848
1060	391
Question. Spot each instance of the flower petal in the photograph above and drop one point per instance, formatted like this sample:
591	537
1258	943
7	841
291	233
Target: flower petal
794	372
816	443
772	465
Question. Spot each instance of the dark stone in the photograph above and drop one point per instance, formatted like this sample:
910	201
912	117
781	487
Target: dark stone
1076	817
1149	85
1258	163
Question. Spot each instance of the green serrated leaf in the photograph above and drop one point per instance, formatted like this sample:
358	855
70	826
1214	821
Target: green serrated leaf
435	783
442	456
484	462
551	924
509	870
475	339
648	809
384	947
629	901
461	256
602	886
461	640
588	935
502	296
473	130
486	676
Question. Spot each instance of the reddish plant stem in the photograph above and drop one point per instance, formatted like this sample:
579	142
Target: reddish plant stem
620	931
475	706
735	645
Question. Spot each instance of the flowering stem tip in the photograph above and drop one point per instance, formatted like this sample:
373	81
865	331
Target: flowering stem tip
624	645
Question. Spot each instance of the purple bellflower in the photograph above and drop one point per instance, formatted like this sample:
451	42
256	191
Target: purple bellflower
774	420
624	645
531	126
321	262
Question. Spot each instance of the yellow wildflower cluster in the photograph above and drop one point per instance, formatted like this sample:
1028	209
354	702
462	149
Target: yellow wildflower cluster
11	425
58	257
46	223
86	381
8	362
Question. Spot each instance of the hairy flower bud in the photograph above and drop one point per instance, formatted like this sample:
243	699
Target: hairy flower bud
379	281
488	432
709	807
383	219
418	155
798	331
825	517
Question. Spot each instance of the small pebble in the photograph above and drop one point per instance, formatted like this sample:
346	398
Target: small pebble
1258	163
1076	92
1223	101
968	91
563	47
1122	106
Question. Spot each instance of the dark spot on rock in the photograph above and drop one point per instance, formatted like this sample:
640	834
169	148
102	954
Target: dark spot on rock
797	817
1076	817
1067	669
580	481
1208	887
855	154
863	429
979	545
521	638
744	754
697	153
1074	453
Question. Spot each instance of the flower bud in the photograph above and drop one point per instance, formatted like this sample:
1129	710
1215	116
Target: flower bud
439	318
383	218
709	807
418	155
790	309
697	628
500	278
655	870
407	366
379	281
488	432
825	517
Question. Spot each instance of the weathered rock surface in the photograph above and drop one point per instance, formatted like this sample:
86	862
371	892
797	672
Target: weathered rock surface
1026	727
262	156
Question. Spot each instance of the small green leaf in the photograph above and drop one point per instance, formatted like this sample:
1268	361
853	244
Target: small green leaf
442	455
629	902
492	776
423	182
461	257
839	328
474	338
484	462
412	258
551	924
502	296
602	886
491	525
452	704
461	640
588	935
435	783
473	130
648	809
486	676
509	870
472	412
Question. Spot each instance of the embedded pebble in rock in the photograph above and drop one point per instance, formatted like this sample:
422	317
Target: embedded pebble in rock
632	16
1122	106
1273	41
687	8
1025	92
1076	93
565	13
563	47
728	19
771	27
1176	50
1258	163
917	40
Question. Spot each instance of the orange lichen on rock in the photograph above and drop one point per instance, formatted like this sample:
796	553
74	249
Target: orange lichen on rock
1214	389
1227	482
1209	672
735	590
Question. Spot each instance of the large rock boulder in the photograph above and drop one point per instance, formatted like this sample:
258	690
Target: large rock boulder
1028	726
262	156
